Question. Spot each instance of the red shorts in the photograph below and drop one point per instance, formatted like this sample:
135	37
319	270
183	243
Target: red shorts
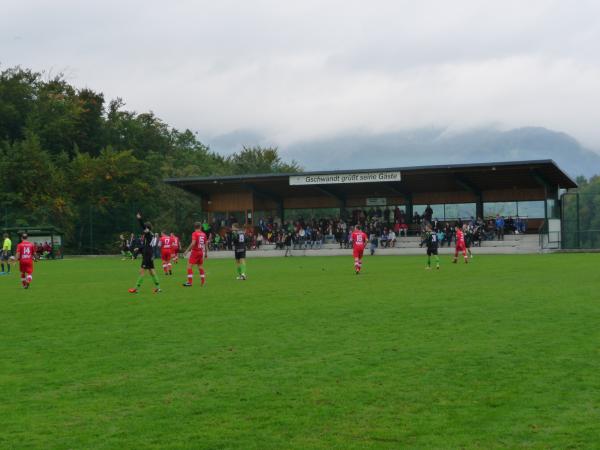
26	267
165	255
196	258
358	252
461	248
174	251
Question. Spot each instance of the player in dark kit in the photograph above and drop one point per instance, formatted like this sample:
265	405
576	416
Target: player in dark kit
431	241
147	257
239	243
469	237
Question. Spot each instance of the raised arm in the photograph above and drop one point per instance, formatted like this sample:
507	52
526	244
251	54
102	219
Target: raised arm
141	221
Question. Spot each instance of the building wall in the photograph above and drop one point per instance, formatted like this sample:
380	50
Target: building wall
238	201
310	202
358	201
245	201
513	194
444	197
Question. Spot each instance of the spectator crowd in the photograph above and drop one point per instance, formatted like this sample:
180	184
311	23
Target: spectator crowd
383	226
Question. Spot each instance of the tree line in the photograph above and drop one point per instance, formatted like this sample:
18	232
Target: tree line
71	159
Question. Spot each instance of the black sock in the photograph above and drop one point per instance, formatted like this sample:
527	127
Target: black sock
2	267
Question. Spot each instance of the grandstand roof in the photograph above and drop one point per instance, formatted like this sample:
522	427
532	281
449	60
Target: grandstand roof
452	177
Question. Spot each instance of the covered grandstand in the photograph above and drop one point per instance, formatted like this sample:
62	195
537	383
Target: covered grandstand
528	189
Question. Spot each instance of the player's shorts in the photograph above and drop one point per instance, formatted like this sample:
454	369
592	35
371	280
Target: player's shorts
147	261
240	254
26	267
174	251
358	252
165	255
461	248
5	255
432	251
196	258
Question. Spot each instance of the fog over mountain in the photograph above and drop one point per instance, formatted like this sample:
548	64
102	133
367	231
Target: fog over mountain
427	146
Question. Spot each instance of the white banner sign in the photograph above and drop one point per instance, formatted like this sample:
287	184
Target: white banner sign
379	201
344	178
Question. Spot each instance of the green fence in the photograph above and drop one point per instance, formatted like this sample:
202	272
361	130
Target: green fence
96	230
580	221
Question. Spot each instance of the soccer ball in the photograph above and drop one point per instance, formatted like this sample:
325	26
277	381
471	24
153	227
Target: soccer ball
12	259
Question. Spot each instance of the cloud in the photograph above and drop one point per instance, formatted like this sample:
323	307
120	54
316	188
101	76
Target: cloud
293	71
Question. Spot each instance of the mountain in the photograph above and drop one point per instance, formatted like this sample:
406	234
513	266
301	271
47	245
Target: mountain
438	146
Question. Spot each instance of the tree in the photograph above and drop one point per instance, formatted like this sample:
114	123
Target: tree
68	160
260	160
17	99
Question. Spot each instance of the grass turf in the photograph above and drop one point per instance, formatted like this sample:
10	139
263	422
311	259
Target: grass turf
502	353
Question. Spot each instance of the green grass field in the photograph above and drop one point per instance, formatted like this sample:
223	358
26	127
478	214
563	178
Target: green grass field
502	353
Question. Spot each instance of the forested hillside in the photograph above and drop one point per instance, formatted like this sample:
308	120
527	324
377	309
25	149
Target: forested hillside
73	159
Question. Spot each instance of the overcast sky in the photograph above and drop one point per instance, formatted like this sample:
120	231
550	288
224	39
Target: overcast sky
294	71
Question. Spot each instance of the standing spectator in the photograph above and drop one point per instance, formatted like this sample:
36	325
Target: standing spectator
373	243
428	214
499	227
288	244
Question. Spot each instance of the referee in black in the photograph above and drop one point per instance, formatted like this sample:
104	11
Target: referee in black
147	257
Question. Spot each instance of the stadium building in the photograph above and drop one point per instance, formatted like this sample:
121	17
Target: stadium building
529	189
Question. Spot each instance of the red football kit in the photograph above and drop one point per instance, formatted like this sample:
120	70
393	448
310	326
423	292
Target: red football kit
165	247
460	240
174	244
26	250
359	242
460	245
197	257
198	250
165	253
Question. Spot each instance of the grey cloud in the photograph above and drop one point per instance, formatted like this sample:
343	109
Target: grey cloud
298	71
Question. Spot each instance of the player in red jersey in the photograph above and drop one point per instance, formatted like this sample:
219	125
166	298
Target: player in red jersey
165	244
359	241
460	244
25	254
198	252
174	248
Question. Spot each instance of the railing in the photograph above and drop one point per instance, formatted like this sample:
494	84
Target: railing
581	240
542	231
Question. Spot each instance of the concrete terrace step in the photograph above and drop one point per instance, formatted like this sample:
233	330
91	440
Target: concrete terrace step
379	252
410	246
529	240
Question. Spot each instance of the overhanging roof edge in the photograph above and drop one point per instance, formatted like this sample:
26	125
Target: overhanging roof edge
243	178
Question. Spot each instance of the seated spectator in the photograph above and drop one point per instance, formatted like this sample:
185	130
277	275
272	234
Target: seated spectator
509	225
402	227
392	238
373	243
520	225
383	239
318	240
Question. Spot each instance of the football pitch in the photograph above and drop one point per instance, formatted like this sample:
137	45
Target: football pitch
500	353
